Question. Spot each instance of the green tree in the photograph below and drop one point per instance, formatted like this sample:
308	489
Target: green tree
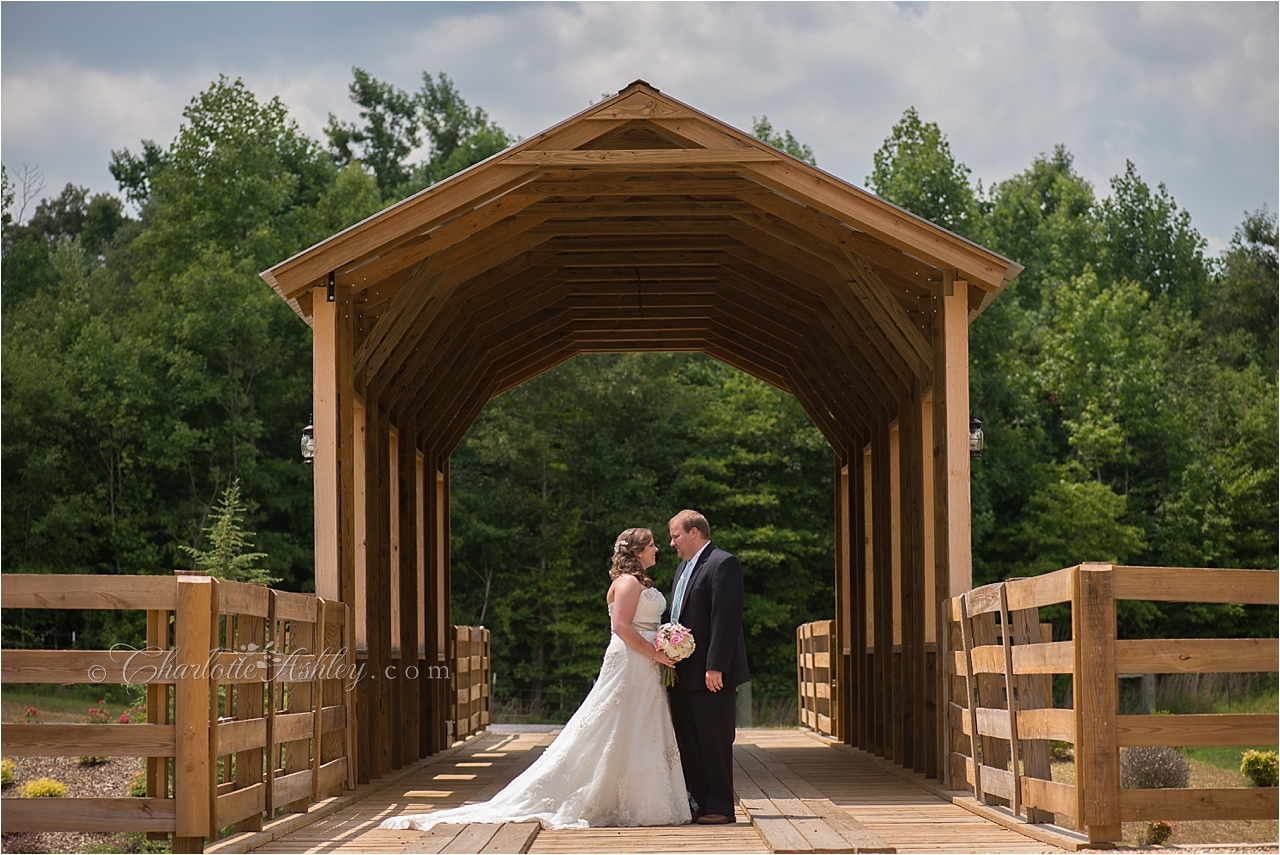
915	170
1150	240
390	132
1243	308
762	129
394	124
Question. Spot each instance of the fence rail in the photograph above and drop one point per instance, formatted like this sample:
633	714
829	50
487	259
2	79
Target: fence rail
248	704
1000	712
816	677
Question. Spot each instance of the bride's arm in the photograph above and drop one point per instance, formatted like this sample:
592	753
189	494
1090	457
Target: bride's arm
626	598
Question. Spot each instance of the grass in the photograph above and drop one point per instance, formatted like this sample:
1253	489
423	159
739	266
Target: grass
60	703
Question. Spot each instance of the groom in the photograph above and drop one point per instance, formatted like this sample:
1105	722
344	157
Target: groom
708	600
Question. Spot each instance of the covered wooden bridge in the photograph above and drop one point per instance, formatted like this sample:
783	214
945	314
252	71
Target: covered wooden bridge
642	224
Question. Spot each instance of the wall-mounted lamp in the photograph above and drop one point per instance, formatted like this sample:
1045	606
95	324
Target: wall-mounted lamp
309	444
975	436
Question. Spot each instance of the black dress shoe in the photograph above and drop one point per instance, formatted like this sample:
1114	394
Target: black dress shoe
714	819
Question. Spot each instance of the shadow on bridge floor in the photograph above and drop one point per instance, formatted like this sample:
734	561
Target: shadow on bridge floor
903	815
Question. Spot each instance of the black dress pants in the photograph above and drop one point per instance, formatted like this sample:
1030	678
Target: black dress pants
704	723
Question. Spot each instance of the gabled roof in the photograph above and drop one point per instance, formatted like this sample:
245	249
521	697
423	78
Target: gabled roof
641	224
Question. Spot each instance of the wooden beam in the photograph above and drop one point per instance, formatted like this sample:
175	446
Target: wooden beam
641	159
465	191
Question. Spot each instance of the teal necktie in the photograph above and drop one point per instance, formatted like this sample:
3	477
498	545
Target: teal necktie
678	596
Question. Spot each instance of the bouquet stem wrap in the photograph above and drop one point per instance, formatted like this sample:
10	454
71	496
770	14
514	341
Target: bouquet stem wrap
676	641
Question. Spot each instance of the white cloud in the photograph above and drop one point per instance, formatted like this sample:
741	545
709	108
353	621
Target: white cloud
1187	91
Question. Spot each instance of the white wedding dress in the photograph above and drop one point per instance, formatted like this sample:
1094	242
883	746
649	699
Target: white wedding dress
615	763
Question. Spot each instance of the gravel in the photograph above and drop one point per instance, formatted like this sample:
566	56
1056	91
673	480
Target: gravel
107	780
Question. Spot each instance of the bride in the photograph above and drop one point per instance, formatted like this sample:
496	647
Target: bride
616	762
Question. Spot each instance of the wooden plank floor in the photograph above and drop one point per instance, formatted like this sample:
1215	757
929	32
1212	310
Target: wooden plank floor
903	814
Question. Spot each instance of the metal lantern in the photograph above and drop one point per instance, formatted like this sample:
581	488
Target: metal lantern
309	444
975	436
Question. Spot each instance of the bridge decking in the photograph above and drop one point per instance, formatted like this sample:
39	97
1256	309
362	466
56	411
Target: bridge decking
904	815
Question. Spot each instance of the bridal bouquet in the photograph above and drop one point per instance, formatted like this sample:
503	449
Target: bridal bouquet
676	641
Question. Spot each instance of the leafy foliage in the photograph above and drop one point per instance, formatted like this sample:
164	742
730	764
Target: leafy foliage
7	768
229	558
915	170
1261	768
762	129
394	125
44	788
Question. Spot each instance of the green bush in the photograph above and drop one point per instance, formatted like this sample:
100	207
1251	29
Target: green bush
1153	768
1260	767
44	788
1157	833
7	767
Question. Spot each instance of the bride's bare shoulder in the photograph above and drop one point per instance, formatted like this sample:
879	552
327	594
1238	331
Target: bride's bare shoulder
623	585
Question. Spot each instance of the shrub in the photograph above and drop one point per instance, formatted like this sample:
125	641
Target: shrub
1153	768
96	715
1156	833
138	784
44	788
1061	750
7	767
1261	768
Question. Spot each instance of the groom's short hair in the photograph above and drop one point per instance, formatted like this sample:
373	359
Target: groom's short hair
692	519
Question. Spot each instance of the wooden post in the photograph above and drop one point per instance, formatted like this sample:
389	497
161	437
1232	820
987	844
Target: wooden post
324	419
911	510
409	595
1093	629
1034	692
935	701
898	710
842	644
445	616
953	568
1011	698
995	751
249	697
864	584
882	593
158	638
193	627
970	696
380	584
395	682
301	637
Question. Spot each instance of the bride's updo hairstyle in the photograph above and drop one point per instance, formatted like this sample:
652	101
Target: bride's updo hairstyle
626	555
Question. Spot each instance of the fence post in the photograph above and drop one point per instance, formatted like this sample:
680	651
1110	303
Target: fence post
191	792
1093	628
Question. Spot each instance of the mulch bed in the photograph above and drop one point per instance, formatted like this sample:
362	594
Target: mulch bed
106	780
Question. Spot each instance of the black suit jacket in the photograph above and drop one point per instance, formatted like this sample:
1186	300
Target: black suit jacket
712	610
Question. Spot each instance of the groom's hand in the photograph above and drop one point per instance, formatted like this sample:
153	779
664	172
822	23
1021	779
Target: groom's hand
715	680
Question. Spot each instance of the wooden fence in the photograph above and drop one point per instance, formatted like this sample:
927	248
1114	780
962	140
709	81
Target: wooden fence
816	678
471	680
1001	718
248	704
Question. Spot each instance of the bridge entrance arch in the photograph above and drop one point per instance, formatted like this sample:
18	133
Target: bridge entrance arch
643	224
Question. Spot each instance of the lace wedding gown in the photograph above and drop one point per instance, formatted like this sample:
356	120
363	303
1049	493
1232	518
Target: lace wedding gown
615	763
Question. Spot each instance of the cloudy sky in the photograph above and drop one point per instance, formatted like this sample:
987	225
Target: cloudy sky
1187	91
